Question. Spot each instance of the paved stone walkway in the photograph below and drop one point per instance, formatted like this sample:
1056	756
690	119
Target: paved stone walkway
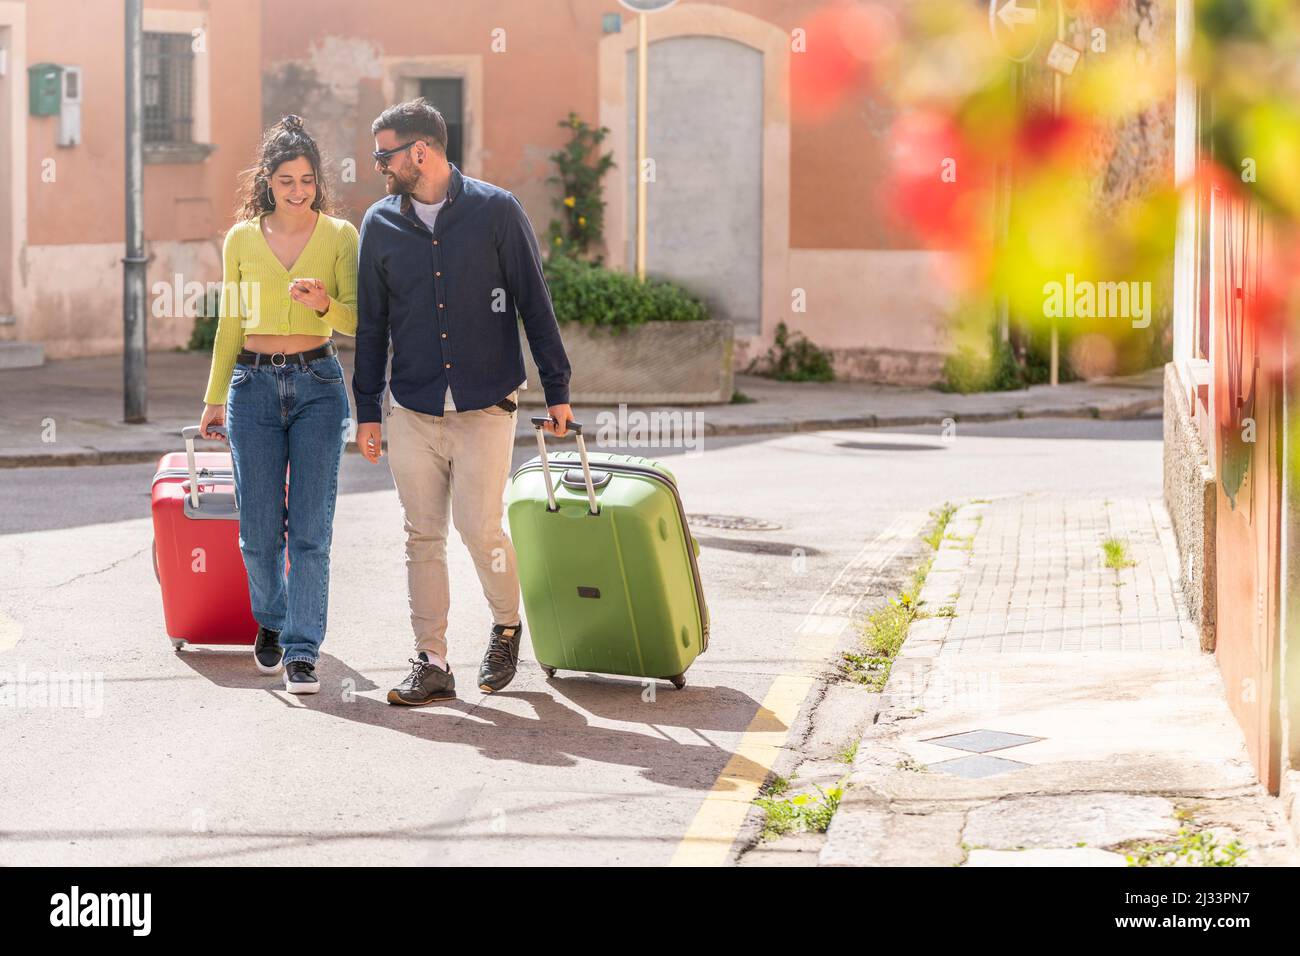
1036	579
1050	710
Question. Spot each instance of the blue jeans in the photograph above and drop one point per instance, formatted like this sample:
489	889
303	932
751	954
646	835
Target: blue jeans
296	415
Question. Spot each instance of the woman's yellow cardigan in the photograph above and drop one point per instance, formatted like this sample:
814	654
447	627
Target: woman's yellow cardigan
255	291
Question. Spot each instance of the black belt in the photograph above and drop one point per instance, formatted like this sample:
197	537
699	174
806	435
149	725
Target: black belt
254	359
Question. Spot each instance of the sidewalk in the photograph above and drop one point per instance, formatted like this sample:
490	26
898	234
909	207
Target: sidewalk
1062	714
68	412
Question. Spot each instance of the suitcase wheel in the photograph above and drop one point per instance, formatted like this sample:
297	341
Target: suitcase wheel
177	643
548	670
679	681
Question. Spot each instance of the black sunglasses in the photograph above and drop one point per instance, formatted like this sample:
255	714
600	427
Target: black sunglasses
382	156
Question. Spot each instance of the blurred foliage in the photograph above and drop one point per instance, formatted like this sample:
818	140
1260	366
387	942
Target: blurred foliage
1089	190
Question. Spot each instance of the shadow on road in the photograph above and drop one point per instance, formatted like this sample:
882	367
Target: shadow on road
557	735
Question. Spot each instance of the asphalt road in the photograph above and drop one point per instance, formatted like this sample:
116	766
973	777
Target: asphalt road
194	758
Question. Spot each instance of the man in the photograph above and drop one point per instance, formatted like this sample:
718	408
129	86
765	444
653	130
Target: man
446	261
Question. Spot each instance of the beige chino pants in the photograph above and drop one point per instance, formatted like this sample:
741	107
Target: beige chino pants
457	464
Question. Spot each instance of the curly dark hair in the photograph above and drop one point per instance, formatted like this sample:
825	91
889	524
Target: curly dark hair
282	143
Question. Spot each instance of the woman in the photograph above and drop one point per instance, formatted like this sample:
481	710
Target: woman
290	278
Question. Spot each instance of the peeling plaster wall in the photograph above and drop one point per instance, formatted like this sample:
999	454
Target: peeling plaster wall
335	88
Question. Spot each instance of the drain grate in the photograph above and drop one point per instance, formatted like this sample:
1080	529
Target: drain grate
982	741
731	523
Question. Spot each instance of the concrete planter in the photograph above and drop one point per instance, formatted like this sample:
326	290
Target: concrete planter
657	363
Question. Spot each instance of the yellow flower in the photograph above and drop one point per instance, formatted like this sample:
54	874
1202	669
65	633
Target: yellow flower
569	201
559	240
582	220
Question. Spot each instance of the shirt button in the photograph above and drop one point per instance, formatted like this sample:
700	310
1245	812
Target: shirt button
441	306
437	273
448	365
435	242
444	335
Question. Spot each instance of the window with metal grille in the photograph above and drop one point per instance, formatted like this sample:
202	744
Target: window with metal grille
447	94
168	88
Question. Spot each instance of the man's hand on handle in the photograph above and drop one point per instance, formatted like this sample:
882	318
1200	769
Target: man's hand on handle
370	440
561	415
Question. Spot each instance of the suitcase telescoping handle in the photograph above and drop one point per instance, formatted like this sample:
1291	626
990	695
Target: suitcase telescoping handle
576	428
189	433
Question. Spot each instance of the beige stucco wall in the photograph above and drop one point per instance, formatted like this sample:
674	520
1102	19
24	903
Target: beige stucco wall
68	233
881	312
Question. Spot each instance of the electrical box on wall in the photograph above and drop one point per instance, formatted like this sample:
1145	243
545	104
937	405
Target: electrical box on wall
45	89
70	107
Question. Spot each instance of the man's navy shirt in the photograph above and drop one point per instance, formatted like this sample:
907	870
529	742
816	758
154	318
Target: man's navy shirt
448	299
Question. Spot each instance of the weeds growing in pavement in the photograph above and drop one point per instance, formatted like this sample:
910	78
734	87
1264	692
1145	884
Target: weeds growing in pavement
1191	848
805	811
886	627
1117	557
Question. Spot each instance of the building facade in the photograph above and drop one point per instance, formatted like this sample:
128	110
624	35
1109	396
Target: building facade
764	203
1228	405
62	213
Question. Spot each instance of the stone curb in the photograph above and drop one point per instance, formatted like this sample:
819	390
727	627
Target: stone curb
93	456
869	815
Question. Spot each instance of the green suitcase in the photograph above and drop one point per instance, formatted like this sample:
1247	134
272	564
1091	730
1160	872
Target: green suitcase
606	564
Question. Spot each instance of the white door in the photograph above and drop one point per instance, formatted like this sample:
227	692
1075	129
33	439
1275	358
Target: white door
704	207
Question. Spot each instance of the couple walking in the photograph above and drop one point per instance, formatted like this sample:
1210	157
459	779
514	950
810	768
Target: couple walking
441	265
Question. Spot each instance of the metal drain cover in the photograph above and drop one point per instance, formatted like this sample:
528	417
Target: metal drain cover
731	523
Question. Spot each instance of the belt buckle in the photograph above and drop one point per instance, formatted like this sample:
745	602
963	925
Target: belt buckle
282	357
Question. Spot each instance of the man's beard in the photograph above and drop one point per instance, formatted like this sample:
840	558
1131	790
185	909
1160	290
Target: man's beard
398	185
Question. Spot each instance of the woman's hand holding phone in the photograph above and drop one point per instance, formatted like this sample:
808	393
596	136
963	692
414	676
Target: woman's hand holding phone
311	293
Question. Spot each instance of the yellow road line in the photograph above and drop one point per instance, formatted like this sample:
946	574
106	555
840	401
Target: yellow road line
717	823
11	632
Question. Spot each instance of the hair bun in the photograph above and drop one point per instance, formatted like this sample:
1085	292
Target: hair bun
292	123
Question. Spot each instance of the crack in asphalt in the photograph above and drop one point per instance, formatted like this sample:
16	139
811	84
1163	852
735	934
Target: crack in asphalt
91	574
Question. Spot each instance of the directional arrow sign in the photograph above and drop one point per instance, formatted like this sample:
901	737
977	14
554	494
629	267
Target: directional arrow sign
1010	14
1016	26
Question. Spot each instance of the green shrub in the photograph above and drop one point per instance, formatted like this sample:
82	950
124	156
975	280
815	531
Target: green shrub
590	294
793	358
581	222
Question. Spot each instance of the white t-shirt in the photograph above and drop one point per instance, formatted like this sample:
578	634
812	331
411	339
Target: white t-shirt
428	213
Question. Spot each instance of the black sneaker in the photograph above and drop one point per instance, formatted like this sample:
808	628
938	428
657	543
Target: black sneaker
426	684
267	653
300	678
498	667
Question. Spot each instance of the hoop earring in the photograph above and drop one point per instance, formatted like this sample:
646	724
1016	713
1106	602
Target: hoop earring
270	197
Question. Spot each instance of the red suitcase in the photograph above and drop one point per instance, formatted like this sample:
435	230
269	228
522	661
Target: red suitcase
196	548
